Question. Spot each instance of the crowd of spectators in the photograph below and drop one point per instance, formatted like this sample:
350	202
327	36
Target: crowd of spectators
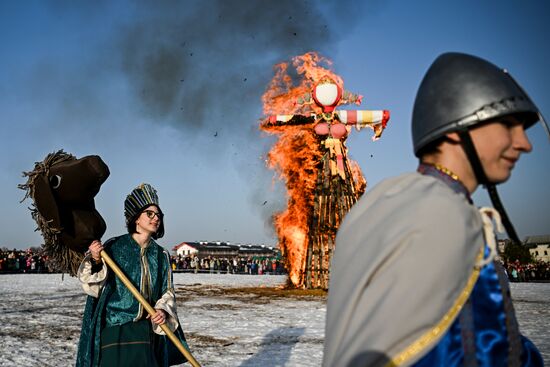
22	261
31	261
234	265
533	271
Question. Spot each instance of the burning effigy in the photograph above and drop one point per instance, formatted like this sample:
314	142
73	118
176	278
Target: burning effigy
311	157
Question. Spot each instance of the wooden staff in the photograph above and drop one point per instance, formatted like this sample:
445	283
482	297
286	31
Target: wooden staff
148	308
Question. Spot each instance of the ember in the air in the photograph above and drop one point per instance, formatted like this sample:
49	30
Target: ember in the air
311	157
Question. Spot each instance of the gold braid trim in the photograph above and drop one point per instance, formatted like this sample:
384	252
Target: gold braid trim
428	338
446	171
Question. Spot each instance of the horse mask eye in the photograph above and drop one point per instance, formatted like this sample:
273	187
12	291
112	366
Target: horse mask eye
55	181
76	182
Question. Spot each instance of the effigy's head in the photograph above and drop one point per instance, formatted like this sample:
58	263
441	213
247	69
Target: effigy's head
63	189
326	93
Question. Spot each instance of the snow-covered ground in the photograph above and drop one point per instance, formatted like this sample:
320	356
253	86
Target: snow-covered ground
229	320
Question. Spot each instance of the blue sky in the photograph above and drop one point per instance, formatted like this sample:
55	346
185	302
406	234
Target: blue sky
170	94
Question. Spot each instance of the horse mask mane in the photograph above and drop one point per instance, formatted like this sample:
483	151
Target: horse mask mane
63	189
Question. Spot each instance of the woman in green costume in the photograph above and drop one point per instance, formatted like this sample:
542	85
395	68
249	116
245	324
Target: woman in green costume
116	330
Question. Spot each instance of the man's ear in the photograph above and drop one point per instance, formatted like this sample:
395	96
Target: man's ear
453	137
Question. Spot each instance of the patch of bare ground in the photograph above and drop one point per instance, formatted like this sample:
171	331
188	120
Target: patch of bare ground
39	332
198	340
185	293
216	307
318	294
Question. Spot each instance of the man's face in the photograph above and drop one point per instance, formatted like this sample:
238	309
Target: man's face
499	145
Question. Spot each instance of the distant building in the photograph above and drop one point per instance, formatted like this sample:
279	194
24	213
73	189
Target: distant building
205	249
224	249
539	247
258	251
186	249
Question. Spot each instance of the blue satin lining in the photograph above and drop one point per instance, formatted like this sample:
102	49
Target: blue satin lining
489	317
489	328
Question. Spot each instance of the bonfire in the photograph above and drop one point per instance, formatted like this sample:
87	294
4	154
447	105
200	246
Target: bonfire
311	157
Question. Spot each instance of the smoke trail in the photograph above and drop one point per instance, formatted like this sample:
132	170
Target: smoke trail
199	66
202	63
202	66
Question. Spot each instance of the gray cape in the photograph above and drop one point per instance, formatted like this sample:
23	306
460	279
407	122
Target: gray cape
403	267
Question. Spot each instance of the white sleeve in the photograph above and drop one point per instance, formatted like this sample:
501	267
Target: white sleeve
92	283
167	303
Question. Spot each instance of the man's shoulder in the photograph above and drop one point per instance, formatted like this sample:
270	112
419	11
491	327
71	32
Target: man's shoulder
405	205
411	183
411	191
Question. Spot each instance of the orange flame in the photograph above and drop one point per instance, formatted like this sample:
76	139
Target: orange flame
281	94
296	154
358	178
295	158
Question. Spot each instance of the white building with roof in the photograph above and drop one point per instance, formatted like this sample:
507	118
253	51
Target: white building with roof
539	247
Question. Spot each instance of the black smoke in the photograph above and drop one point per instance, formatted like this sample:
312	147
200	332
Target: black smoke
206	63
201	68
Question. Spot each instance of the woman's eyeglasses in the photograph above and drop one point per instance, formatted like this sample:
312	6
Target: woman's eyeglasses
151	214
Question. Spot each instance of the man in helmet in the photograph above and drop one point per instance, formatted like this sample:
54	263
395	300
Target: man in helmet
413	278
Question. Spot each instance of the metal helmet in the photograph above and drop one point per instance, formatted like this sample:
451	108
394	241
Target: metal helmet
459	91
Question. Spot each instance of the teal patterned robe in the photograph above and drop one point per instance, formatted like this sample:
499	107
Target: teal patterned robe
115	305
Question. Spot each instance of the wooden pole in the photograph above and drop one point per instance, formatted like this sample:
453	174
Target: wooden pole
114	267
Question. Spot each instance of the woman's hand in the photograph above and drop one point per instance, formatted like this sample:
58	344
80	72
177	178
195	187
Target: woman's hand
158	317
95	249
